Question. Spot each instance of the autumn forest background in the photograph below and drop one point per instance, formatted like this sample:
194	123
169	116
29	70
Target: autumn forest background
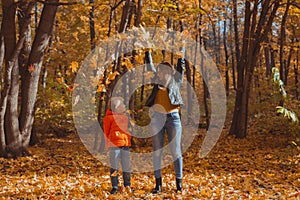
255	45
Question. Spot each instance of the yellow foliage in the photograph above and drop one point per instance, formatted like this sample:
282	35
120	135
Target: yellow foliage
94	81
60	80
127	63
112	76
139	59
74	66
93	63
101	88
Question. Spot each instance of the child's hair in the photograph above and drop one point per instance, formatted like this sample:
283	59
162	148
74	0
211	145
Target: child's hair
114	102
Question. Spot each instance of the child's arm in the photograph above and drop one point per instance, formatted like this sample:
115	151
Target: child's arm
106	129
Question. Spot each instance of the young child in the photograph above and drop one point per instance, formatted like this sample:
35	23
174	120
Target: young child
115	124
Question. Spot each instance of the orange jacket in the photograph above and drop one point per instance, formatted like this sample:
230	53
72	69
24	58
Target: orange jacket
116	131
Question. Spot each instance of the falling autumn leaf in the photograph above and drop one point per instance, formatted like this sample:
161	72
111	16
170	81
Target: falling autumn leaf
93	63
127	63
31	68
74	66
76	100
60	80
94	81
132	122
101	88
71	88
112	76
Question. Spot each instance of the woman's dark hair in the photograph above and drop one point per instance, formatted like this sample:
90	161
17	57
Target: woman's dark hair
164	65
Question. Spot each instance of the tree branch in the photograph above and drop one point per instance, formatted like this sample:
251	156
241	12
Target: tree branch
295	4
57	4
117	5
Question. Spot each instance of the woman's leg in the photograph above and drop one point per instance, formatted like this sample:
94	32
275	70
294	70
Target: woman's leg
157	132
174	131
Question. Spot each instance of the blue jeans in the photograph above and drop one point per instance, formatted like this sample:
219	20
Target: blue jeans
117	154
172	124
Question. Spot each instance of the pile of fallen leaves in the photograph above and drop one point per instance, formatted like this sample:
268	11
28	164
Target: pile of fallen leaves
262	166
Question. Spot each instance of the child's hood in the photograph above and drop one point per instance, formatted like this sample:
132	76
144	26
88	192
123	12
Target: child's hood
110	112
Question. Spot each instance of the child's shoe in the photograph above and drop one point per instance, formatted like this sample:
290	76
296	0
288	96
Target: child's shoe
114	191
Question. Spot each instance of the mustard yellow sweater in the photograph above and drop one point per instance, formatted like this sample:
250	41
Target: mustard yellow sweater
163	103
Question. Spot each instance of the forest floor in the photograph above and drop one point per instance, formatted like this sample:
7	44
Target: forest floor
262	166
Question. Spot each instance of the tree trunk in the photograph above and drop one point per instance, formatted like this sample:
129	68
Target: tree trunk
281	42
119	46
296	71
33	69
203	69
287	65
138	13
236	31
10	138
102	97
226	60
125	82
12	133
132	85
200	41
215	43
148	63
92	25
249	59
36	17
233	58
9	129
240	70
257	80
267	60
189	90
24	55
272	54
254	35
25	52
125	16
2	51
117	63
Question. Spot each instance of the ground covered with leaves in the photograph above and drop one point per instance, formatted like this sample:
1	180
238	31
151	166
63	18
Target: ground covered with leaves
262	166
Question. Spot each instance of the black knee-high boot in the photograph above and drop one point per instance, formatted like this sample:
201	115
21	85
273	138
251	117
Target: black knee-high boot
178	184
126	178
158	184
114	181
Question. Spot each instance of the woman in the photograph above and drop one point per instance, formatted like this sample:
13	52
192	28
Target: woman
165	101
